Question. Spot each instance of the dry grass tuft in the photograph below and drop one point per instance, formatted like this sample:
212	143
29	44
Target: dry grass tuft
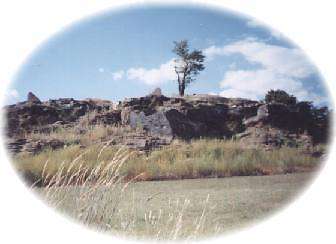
93	195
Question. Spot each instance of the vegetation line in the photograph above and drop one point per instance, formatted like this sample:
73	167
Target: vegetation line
181	160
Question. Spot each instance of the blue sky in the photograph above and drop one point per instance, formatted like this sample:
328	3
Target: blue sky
127	53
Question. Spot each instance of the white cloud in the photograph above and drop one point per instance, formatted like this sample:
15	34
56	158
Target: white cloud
213	51
101	70
280	68
12	94
257	24
254	84
165	72
287	61
118	75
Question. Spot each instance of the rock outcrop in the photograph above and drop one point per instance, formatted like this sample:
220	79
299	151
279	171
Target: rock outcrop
31	98
189	117
156	120
27	117
156	92
275	125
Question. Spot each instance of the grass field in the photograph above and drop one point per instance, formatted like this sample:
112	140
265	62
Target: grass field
178	209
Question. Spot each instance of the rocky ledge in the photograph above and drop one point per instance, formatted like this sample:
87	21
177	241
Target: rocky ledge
156	120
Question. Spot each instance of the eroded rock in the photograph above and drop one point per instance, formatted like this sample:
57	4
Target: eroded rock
32	146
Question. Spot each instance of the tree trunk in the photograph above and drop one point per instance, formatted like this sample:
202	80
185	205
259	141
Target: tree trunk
181	88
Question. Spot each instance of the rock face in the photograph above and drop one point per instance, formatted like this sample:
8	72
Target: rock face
156	120
275	125
27	117
106	118
189	117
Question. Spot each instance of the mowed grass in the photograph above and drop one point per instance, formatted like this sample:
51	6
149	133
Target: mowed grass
180	160
177	209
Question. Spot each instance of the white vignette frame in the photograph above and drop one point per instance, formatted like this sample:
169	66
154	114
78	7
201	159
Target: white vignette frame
119	7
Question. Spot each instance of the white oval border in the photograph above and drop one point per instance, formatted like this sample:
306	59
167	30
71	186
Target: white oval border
25	24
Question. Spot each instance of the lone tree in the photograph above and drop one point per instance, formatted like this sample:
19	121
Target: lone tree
187	65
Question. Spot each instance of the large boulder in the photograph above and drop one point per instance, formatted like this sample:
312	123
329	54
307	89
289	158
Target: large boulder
155	124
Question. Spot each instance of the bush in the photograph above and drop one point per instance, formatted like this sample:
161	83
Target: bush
280	96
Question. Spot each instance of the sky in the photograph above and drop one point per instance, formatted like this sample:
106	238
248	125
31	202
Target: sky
128	53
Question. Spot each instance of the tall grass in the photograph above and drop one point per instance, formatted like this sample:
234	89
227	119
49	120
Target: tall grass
217	158
94	195
180	160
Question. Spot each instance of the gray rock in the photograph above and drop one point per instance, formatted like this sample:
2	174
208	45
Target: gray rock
262	114
106	118
157	92
155	124
30	146
31	98
143	142
26	117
